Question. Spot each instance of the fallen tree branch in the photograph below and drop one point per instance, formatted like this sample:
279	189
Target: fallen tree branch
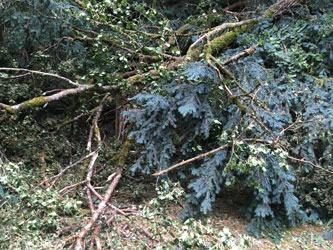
246	52
235	5
41	73
199	157
103	204
310	163
223	41
42	100
216	30
99	211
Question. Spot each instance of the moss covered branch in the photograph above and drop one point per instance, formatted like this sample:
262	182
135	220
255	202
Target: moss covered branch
42	100
216	30
221	42
280	7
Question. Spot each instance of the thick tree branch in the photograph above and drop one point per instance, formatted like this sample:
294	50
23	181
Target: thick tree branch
216	30
223	41
42	100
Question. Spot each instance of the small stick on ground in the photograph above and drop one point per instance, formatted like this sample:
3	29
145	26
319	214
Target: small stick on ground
65	169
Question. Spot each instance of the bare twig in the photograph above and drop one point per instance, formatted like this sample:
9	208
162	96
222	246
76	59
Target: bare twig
91	132
94	238
246	52
95	129
288	128
15	77
71	186
310	163
220	69
90	202
65	169
42	74
199	157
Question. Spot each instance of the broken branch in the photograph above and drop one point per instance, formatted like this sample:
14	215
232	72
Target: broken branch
199	157
40	73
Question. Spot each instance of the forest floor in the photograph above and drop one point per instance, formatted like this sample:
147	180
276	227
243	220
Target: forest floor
226	214
142	217
307	236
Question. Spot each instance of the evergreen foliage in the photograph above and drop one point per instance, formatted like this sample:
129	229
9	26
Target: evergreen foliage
273	136
194	116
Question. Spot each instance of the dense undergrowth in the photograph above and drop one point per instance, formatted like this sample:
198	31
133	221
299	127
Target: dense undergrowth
260	124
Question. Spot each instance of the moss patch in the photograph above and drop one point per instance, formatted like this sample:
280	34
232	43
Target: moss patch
35	102
222	42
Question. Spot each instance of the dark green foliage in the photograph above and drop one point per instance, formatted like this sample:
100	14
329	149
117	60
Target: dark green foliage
35	35
32	25
309	59
274	204
194	116
161	138
180	114
200	122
